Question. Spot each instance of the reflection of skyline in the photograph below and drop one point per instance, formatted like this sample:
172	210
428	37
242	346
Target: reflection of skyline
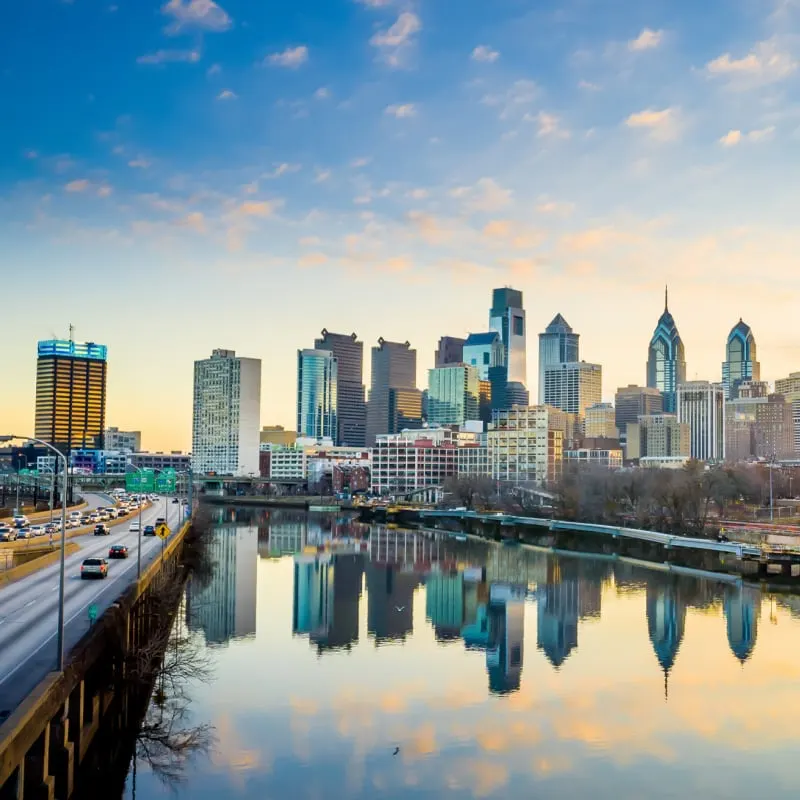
225	607
666	617
506	635
742	608
390	598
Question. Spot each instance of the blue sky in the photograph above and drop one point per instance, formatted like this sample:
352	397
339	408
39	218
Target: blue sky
187	175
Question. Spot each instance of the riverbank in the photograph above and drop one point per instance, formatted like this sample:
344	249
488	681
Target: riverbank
307	502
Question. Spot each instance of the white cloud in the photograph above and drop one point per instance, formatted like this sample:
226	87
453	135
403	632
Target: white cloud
227	94
397	38
400	111
30	154
357	163
323	93
77	186
374	3
292	57
167	56
589	86
485	54
417	194
513	101
735	137
199	14
766	63
663	125
550	126
139	163
253	208
322	175
646	40
555	207
214	69
485	195
194	221
104	191
282	169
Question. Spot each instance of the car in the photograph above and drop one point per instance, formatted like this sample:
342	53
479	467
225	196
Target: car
122	512
118	551
161	521
94	568
101	529
86	519
134	528
37	530
20	521
94	518
175	501
112	512
75	514
8	534
149	530
24	533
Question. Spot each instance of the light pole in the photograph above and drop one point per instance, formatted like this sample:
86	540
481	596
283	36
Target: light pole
771	508
62	456
20	455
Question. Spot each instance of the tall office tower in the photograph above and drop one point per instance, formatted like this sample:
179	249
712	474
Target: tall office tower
740	359
115	439
71	394
317	378
557	345
507	317
790	389
449	351
658	437
351	407
573	387
632	402
701	405
453	394
226	414
484	351
394	400
758	424
666	359
601	422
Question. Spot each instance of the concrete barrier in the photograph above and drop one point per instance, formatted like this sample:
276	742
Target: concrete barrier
35	564
36	516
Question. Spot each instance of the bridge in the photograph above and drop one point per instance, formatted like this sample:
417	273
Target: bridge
50	739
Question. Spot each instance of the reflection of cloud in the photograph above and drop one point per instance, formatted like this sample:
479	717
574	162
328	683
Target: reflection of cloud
231	755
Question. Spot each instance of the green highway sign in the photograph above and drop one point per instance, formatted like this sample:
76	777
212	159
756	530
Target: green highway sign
140	482
166	481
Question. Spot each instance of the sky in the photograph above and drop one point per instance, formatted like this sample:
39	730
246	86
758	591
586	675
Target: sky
181	176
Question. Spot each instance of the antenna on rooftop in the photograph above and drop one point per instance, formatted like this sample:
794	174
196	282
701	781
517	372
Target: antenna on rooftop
71	332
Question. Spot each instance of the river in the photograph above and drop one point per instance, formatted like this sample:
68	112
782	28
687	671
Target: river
350	661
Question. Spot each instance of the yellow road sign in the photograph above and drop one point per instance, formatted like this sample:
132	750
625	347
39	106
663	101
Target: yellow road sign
163	531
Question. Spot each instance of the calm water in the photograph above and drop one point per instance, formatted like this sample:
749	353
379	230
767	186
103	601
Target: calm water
409	666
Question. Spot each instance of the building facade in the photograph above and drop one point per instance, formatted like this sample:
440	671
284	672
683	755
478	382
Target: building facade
758	424
394	400
449	351
790	389
180	462
484	351
658	436
453	395
741	363
601	422
351	407
523	448
507	317
71	394
701	405
587	457
573	387
276	434
317	381
632	402
115	439
559	344
666	359
226	414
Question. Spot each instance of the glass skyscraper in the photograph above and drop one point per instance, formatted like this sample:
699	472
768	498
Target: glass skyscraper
740	359
507	317
71	394
317	384
453	394
557	345
666	359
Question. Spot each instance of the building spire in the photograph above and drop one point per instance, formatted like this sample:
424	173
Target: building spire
666	298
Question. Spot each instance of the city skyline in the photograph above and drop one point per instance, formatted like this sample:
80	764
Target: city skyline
163	198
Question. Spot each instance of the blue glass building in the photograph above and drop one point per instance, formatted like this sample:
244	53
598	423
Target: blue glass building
741	362
317	384
666	359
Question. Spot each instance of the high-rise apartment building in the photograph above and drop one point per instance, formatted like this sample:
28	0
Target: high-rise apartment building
115	439
574	386
226	414
453	394
666	359
351	407
523	447
394	400
758	424
741	362
632	402
484	351
790	389
701	405
601	422
559	344
71	394
276	436
449	351
658	436
317	380
507	317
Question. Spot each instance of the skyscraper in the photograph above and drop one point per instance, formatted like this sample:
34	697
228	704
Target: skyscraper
484	351
449	351
317	378
226	414
453	394
573	387
666	359
71	394
394	400
507	317
351	407
740	359
632	402
701	405
790	389
557	345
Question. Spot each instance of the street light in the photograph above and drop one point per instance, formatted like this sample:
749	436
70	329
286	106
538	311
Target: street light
139	537
60	644
19	455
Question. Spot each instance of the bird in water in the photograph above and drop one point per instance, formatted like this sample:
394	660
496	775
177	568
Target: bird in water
399	608
396	751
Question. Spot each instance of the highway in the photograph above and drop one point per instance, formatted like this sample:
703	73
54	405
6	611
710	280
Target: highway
29	607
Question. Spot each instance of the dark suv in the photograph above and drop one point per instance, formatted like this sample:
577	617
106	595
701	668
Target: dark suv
149	530
101	529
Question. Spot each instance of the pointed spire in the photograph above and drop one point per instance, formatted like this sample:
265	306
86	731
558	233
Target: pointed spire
666	298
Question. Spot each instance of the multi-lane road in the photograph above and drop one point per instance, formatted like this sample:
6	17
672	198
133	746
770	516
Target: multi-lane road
29	607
